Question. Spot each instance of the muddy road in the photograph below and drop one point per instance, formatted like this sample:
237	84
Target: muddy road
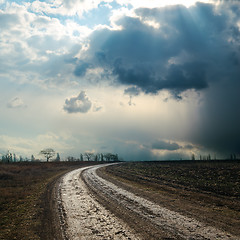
93	208
82	216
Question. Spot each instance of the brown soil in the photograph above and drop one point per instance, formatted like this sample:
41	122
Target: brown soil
50	222
142	228
218	210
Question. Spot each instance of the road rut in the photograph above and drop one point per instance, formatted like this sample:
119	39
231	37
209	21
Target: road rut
85	218
81	215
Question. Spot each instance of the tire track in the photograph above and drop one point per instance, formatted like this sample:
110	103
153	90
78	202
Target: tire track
83	217
170	221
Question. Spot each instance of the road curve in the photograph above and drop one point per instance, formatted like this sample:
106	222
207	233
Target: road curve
85	218
82	216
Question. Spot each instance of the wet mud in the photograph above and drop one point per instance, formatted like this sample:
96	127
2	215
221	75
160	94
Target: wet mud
94	208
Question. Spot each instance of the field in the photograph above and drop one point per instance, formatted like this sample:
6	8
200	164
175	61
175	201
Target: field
25	197
208	191
220	177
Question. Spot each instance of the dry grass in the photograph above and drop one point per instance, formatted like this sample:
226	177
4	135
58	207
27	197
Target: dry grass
21	188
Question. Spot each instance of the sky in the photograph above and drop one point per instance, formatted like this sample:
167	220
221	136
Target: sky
148	80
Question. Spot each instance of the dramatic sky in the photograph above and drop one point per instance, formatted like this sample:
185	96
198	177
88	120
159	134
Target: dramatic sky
148	79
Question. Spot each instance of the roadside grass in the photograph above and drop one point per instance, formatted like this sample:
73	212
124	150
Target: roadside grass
218	177
21	187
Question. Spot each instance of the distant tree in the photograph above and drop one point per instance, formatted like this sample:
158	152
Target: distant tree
81	157
58	158
107	156
111	157
4	158
96	158
48	153
70	159
20	158
116	158
193	157
8	157
101	157
200	157
89	155
14	157
32	158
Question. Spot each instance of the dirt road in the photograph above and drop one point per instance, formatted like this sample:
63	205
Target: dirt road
83	217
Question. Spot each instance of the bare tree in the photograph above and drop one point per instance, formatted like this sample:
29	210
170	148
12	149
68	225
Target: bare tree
89	155
48	153
70	159
111	157
32	158
57	158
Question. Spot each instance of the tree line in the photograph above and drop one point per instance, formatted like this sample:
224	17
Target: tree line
98	157
208	157
51	155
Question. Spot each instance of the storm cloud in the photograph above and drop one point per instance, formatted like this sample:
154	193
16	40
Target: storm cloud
163	145
186	51
195	48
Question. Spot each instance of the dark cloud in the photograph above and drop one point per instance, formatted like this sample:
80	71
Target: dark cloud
163	145
81	104
194	48
136	152
184	53
132	91
178	79
81	69
189	146
218	128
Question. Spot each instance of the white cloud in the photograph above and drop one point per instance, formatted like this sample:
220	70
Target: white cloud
38	49
66	7
16	103
155	4
81	104
97	107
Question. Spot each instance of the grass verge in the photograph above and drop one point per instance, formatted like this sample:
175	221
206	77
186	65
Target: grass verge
22	189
